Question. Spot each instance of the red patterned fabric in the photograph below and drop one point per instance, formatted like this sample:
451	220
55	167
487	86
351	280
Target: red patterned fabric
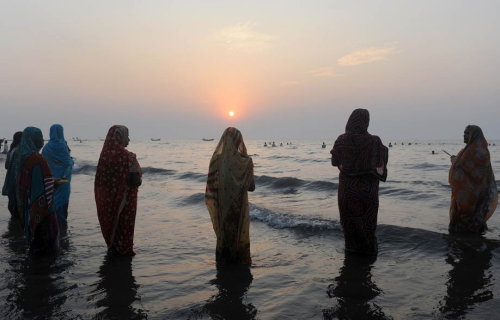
115	200
362	161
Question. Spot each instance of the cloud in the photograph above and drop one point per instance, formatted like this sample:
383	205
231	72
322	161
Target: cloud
241	37
324	72
368	55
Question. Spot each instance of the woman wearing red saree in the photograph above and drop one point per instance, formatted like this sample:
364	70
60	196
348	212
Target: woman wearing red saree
230	177
117	180
362	161
474	194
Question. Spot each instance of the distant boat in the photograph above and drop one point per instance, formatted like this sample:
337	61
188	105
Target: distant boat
208	139
155	139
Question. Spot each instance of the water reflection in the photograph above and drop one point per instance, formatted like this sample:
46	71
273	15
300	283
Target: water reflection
353	289
116	290
37	287
469	282
233	283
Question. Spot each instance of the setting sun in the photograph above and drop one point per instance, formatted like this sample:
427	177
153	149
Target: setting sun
231	114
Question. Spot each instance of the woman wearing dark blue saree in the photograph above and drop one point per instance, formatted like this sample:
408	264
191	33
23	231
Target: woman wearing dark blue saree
57	155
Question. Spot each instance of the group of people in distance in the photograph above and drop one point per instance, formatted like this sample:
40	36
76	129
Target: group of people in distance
38	187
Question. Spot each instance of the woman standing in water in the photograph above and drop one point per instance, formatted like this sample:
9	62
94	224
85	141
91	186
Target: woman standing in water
230	177
362	161
9	185
57	154
35	189
474	194
117	180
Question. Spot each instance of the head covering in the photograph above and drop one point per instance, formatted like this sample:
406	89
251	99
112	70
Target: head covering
16	139
229	177
474	194
114	199
57	155
357	152
31	141
56	152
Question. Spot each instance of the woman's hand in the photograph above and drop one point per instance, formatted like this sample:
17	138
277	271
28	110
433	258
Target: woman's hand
453	158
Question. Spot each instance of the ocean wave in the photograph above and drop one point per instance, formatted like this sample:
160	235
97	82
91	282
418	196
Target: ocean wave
312	160
427	166
280	157
86	168
322	185
194	199
279	220
193	176
279	183
157	171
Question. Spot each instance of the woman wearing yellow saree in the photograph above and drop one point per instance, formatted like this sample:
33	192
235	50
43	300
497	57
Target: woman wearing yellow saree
230	177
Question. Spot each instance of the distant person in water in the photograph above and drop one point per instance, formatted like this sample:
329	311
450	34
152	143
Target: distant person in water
35	191
5	147
230	177
10	183
57	154
362	161
117	181
474	194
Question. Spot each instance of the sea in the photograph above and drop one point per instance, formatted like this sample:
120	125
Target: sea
299	269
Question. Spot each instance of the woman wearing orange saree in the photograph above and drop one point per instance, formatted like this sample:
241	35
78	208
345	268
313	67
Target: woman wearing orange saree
117	181
230	177
474	194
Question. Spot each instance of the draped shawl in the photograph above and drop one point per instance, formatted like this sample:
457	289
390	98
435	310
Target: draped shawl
57	154
35	188
229	177
474	194
9	185
356	152
112	194
16	139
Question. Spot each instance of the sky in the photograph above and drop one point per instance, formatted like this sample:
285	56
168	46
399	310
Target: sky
287	69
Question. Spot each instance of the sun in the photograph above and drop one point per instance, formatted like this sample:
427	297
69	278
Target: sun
231	113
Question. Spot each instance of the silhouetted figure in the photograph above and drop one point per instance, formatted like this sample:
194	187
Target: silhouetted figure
116	184
116	290
353	289
233	283
474	194
469	283
230	177
362	161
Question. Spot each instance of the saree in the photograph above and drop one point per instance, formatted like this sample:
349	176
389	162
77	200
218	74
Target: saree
9	184
474	194
362	161
230	175
34	192
116	201
57	154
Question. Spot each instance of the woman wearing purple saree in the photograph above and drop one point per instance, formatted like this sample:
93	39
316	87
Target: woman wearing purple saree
362	161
